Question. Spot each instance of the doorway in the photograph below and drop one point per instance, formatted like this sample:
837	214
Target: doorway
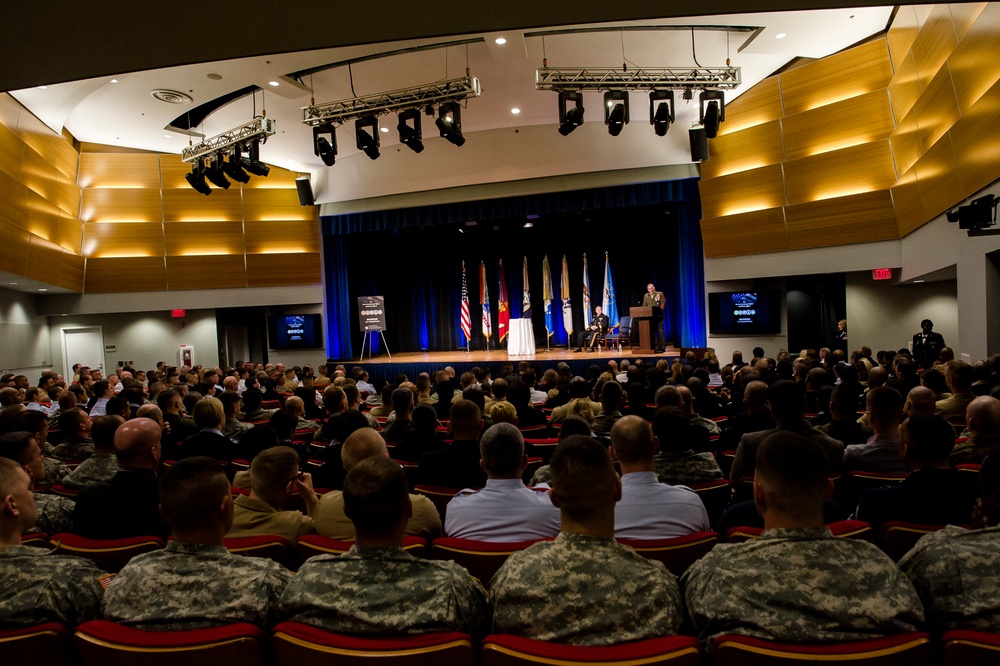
84	346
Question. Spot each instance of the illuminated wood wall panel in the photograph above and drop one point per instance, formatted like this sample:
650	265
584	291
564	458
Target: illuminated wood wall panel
906	201
123	239
120	171
207	272
967	62
125	274
274	204
934	43
14	249
851	122
742	192
11	148
172	172
43	259
12	200
760	104
905	87
906	145
937	109
940	185
69	275
976	143
41	216
189	206
902	32
851	219
964	15
70	235
265	270
747	233
282	236
750	148
204	238
853	72
854	170
117	205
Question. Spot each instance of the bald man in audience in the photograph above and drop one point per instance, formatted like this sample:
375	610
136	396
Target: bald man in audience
53	513
983	421
103	464
330	519
274	477
295	406
797	582
919	400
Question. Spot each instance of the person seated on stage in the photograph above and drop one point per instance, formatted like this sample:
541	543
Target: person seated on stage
648	508
797	582
195	583
504	510
274	477
103	464
457	465
881	452
677	463
330	519
53	513
590	336
983	423
604	593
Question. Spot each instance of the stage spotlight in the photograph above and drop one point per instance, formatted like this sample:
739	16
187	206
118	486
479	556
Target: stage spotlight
196	179
661	110
253	164
712	111
616	114
410	134
570	119
325	143
215	174
368	141
234	167
449	123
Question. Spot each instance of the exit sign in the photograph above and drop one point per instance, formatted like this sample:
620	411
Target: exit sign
882	274
177	314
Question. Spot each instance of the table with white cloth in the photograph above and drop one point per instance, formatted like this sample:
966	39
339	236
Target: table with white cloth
520	338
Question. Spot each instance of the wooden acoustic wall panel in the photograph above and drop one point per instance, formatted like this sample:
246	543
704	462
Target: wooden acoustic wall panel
940	186
44	258
41	216
851	122
742	192
906	145
35	134
172	172
12	200
964	15
65	158
203	238
14	249
282	236
905	87
839	173
968	63
206	272
130	205
186	205
278	270
901	34
751	148
69	234
278	178
39	175
747	233
976	143
760	104
934	43
857	218
125	274
937	109
120	170
274	204
906	201
11	148
847	74
123	239
10	109
69	274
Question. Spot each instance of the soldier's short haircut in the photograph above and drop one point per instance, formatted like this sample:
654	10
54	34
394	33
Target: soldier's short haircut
961	374
8	476
190	493
668	396
611	394
361	444
466	419
230	402
633	440
794	470
845	397
929	438
103	431
402	400
500	388
350	390
502	450
165	397
283	423
208	413
251	400
884	404
70	419
375	495
16	446
273	468
100	388
583	477
32	420
574	425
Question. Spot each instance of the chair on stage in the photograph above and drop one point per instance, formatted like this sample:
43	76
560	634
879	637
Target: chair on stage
296	643
898	650
314	544
962	647
49	643
507	650
677	554
620	335
108	554
899	537
103	643
268	546
482	558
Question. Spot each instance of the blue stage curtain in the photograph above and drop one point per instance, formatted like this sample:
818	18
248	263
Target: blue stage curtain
690	256
338	300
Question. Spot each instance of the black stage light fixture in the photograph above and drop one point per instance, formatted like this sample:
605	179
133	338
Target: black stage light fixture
980	213
325	143
368	141
570	119
616	114
699	143
252	164
215	174
196	179
410	134
711	111
234	167
661	110
449	123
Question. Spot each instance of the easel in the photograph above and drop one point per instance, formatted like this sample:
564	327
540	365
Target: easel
370	341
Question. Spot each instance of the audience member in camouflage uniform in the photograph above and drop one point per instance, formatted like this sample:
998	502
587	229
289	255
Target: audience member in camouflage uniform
377	587
234	428
36	423
54	513
677	463
956	571
36	586
797	582
983	419
584	588
75	426
195	582
103	464
274	477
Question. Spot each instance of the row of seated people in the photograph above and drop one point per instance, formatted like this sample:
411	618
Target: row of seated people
795	583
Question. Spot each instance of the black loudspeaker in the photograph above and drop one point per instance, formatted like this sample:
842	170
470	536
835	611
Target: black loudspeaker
306	191
699	144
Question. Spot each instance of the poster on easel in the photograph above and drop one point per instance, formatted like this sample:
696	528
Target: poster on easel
371	313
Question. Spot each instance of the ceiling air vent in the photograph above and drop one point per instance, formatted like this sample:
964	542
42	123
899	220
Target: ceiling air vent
171	96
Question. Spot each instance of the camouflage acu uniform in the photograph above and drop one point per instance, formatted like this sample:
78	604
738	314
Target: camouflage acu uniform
74	449
584	590
195	586
37	587
98	467
236	429
604	421
54	472
974	450
799	585
683	469
54	513
957	575
542	475
385	591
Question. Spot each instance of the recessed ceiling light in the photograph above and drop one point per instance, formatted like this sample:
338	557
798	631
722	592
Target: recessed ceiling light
43	87
528	225
11	283
42	289
917	281
273	83
501	40
214	77
383	129
780	35
515	110
167	136
114	80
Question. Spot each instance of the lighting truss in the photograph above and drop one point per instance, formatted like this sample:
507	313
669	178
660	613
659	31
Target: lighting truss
222	144
345	110
640	78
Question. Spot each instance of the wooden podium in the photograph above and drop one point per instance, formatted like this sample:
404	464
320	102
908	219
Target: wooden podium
644	315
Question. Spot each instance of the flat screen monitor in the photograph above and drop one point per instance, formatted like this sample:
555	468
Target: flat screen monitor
296	331
744	312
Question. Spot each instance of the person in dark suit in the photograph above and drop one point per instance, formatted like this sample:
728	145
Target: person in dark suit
209	441
457	466
128	504
927	344
598	328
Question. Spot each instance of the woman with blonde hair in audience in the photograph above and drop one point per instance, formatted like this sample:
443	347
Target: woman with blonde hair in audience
504	412
676	371
581	407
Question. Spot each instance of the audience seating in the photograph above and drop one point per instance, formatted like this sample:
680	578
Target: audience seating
507	650
296	643
108	554
540	447
715	495
533	464
899	537
482	558
856	483
270	404
725	460
48	643
440	495
103	643
962	648
528	431
909	649
677	554
847	529
35	539
314	544
270	546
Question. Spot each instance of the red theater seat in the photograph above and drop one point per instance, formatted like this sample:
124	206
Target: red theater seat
676	554
506	650
103	643
482	558
314	544
108	554
297	644
48	643
270	546
910	649
899	537
969	648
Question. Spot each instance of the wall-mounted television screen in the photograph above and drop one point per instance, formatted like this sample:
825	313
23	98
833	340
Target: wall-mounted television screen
296	331
744	312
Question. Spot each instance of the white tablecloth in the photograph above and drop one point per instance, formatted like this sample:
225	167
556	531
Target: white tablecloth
521	338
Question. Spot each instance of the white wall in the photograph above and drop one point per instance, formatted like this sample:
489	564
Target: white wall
24	335
725	346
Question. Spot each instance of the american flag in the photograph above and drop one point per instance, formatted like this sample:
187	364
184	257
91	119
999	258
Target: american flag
466	319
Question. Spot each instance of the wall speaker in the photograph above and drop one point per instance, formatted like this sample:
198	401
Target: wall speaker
305	189
699	144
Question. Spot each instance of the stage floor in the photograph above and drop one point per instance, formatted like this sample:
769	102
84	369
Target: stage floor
501	355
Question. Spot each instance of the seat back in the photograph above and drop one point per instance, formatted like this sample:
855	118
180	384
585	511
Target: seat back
715	495
899	537
845	529
48	643
961	647
482	559
268	546
314	544
439	495
529	471
108	554
297	644
676	554
103	643
899	650
507	650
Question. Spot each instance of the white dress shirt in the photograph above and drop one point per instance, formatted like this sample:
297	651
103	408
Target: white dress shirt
505	510
649	509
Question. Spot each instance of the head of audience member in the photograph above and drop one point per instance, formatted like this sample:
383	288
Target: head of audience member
611	397
274	475
75	424
877	377
119	405
791	481
230	404
920	400
983	418
633	444
22	447
377	500
500	387
35	422
519	394
786	402
295	406
103	432
424	420
504	412
101	389
190	400
208	413
230	384
9	396
934	379
885	410
251	401
926	440
137	444
575	425
585	487
361	444
169	402
151	412
959	376
402	403
668	396
283	423
466	420
335	400
844	402
673	430
17	504
501	451
196	501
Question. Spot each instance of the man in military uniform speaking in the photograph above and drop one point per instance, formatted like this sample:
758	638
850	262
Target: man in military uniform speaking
655	299
593	333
